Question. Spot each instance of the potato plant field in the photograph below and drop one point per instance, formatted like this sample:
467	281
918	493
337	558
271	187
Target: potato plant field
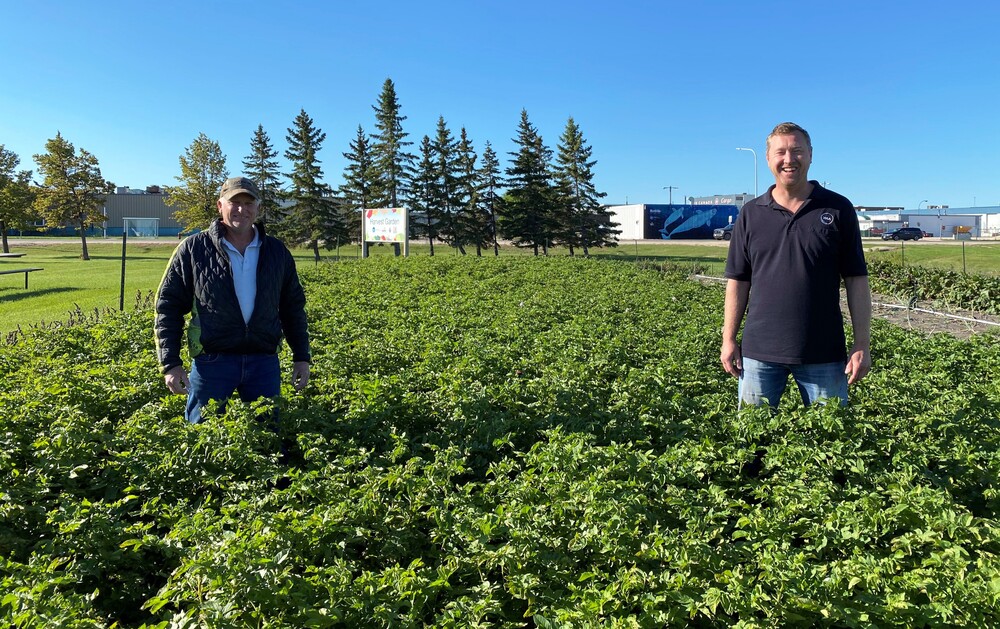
980	293
497	442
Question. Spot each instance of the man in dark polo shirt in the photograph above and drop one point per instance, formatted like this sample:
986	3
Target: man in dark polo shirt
790	248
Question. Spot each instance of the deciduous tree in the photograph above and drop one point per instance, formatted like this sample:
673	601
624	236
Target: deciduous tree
203	171
72	191
16	195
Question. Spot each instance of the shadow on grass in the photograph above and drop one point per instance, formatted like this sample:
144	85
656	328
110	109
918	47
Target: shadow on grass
11	295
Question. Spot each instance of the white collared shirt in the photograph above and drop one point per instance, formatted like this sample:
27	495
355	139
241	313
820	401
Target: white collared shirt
244	266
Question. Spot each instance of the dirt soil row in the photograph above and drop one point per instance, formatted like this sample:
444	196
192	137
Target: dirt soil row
956	322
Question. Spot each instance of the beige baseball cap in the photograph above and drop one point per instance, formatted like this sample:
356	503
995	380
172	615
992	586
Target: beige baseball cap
239	185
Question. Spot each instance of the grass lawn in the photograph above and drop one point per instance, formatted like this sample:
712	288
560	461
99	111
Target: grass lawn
983	258
67	282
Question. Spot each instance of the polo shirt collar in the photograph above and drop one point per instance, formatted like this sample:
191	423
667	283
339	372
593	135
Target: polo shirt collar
767	199
253	243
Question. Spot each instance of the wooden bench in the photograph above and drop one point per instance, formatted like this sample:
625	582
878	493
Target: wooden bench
25	271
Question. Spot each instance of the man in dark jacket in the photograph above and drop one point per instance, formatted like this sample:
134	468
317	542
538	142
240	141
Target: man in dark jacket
243	293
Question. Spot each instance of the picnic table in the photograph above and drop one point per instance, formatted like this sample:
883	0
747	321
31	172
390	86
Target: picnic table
25	271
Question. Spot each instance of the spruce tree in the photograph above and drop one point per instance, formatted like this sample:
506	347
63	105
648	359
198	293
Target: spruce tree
488	186
357	191
203	171
313	216
392	164
73	191
528	211
446	170
16	195
262	167
579	201
425	218
472	223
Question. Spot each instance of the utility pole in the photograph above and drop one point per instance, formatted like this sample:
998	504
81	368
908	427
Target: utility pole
671	189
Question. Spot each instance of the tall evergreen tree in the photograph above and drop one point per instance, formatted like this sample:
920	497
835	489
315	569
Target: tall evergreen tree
261	166
472	223
313	216
527	218
392	163
357	190
488	186
586	222
391	160
203	171
73	191
16	195
425	216
446	171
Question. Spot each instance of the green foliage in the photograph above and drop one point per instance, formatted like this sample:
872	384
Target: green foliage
314	217
583	220
262	167
203	171
980	293
359	181
473	222
498	442
529	217
391	163
425	217
487	198
72	191
16	195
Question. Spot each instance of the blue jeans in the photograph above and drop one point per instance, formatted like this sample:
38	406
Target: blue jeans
766	382
218	376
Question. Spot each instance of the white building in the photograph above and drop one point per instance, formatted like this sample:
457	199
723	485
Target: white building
944	222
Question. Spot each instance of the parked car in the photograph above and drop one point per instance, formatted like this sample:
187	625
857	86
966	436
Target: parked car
723	233
904	233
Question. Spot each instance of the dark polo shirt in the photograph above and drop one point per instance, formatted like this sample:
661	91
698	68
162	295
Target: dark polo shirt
795	263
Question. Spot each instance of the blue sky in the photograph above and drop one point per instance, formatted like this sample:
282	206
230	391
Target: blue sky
902	99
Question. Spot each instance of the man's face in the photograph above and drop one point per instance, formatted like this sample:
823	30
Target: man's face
238	213
789	157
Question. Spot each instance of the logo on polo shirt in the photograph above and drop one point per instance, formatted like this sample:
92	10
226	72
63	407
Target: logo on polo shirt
826	218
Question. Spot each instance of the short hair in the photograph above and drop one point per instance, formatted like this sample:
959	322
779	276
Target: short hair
788	128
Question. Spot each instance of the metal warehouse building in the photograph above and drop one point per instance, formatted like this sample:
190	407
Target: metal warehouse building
145	213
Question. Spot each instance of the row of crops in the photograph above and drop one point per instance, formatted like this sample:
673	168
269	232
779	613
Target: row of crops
498	443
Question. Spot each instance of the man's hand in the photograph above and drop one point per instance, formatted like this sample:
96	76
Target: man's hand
732	358
300	375
737	295
177	380
859	363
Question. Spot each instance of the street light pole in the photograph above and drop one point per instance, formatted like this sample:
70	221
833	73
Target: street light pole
918	204
671	189
740	148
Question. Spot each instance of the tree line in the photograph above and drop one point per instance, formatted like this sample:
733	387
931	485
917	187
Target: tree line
455	196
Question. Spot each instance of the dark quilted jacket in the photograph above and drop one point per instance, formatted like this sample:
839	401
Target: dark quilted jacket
198	280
